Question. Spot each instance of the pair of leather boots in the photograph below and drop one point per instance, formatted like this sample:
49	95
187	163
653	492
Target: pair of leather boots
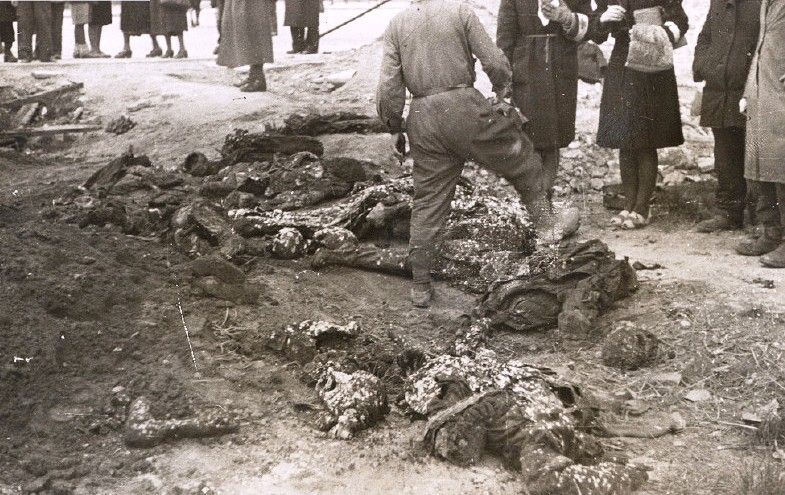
767	243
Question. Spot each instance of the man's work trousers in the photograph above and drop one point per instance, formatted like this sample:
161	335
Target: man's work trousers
7	34
305	39
771	204
57	28
34	18
729	164
445	131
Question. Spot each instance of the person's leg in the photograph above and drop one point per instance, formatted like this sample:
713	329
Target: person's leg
776	258
731	187
181	52
57	29
647	180
628	166
550	166
297	39
80	42
312	40
393	261
169	52
256	81
43	29
273	17
126	51
94	33
156	51
769	215
435	178
8	37
26	27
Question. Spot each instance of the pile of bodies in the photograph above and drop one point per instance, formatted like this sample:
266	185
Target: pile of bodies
474	404
273	194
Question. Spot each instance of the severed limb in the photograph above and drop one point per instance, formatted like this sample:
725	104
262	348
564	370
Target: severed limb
142	430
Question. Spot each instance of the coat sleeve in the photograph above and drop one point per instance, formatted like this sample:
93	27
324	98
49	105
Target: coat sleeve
507	28
598	32
675	16
581	24
491	57
701	48
391	92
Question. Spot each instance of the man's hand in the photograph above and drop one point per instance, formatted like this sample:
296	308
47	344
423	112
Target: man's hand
502	107
614	13
399	146
560	13
743	105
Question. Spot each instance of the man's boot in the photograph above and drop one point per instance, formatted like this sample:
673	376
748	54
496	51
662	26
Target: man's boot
422	290
719	222
770	240
774	259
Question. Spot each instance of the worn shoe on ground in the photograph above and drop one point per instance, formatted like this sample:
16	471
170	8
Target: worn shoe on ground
767	242
774	259
717	223
421	296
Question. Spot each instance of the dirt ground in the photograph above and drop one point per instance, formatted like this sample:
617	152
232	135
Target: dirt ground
85	310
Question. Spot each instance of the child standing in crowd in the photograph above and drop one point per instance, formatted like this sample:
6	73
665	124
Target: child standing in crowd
639	112
729	34
764	103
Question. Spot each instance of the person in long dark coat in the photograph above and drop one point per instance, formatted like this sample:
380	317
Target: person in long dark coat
722	60
764	102
246	40
134	21
639	112
544	60
302	17
7	34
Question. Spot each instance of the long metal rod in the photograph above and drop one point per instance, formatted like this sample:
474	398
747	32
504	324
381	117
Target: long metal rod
322	35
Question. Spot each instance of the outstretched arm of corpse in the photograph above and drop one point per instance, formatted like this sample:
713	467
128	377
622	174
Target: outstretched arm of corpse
493	61
391	93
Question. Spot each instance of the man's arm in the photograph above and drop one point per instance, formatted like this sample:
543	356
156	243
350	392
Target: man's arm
701	48
493	61
507	28
391	93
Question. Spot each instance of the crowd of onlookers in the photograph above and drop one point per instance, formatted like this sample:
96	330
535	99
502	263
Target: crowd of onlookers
39	26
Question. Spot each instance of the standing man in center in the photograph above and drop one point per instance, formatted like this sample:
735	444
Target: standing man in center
430	50
542	47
